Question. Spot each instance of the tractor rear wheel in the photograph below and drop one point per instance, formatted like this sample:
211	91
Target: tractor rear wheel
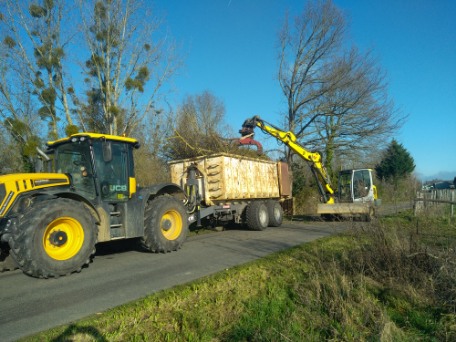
54	238
257	215
275	213
165	225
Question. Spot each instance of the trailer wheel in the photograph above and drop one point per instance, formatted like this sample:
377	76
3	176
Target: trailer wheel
54	238
257	215
275	213
165	225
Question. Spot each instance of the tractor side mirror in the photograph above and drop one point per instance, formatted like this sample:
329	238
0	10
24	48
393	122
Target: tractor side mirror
38	165
42	161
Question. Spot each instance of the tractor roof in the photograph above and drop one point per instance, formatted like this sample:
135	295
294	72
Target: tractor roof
97	136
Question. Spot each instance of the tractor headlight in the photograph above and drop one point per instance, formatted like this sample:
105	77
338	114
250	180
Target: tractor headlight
78	139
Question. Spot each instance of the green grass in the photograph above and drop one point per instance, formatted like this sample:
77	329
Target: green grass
390	280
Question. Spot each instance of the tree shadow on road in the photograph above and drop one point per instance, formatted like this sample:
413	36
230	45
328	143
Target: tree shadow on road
118	246
74	332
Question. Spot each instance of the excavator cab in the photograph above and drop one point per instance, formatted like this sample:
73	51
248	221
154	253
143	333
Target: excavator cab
356	186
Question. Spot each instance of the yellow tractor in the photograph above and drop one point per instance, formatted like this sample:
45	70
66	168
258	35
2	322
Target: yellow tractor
51	222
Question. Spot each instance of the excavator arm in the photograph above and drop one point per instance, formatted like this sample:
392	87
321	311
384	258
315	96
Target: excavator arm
289	139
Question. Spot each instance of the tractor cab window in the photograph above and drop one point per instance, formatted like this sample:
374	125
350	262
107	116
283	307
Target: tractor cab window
112	169
74	159
361	183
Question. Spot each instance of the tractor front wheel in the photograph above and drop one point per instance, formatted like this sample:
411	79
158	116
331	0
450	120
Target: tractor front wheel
165	225
54	238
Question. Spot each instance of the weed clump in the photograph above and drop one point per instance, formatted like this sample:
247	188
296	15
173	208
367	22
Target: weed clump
411	270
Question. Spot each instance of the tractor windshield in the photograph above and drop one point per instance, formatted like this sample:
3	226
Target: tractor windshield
74	159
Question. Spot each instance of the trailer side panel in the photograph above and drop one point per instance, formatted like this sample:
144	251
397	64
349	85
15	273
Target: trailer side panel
229	178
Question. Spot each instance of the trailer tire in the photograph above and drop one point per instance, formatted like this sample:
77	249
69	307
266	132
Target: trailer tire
275	213
257	215
165	225
54	238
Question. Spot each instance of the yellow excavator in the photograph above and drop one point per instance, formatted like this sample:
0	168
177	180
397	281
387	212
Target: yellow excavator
356	194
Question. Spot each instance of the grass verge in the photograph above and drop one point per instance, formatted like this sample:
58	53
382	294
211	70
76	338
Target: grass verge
388	280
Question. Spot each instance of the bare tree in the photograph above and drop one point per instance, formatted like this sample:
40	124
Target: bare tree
32	35
126	62
337	99
356	114
41	52
10	160
198	127
209	110
305	51
19	121
151	167
17	105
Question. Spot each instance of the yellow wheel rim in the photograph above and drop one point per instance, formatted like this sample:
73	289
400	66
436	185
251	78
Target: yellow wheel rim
171	224
63	238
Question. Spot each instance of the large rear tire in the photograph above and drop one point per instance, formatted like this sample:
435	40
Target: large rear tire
257	215
54	238
275	213
166	225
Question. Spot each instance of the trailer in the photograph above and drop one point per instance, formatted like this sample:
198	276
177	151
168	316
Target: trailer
223	188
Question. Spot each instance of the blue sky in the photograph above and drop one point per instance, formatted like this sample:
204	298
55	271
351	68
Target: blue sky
229	48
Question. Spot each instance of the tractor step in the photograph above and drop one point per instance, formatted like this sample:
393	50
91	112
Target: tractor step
116	227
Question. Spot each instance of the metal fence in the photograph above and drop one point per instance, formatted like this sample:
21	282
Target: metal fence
436	201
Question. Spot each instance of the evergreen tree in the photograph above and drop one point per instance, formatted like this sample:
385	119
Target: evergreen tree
397	163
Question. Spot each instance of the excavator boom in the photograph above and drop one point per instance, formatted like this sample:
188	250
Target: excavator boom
356	195
289	139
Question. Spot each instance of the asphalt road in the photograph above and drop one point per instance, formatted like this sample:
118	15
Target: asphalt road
119	275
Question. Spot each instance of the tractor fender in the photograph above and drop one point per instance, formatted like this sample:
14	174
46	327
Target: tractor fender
148	193
38	196
165	188
143	198
87	203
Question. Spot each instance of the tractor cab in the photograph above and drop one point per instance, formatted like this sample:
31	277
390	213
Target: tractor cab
101	170
98	165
